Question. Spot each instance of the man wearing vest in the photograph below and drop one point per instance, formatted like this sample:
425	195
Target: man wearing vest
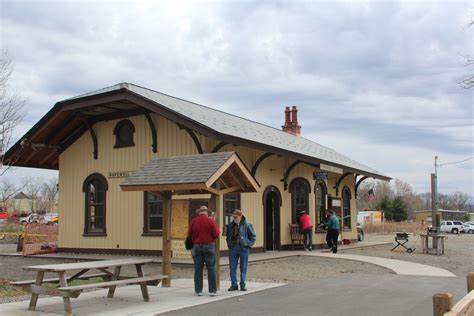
333	225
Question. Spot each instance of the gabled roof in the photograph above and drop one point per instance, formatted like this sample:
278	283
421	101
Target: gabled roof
127	98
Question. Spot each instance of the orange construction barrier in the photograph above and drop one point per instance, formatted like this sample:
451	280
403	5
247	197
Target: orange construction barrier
39	239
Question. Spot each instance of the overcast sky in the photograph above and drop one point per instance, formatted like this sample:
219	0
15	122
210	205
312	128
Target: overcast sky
375	80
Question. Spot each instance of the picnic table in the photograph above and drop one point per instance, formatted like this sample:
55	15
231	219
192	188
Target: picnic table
110	279
437	243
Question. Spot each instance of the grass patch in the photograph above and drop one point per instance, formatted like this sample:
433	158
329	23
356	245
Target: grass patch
7	290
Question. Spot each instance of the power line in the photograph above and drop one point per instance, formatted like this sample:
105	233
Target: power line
455	162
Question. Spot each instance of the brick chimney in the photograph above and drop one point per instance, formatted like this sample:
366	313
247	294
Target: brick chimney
291	121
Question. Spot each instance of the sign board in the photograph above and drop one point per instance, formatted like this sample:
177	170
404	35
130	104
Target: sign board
179	250
120	174
321	176
330	168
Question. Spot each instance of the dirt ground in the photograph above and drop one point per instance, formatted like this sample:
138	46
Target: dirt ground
458	257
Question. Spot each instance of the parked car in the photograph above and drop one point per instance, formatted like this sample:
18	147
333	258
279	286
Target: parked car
468	227
29	219
454	227
360	233
50	219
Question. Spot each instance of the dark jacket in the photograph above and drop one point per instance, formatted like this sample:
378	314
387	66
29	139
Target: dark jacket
246	231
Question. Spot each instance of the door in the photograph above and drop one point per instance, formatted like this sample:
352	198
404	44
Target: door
272	219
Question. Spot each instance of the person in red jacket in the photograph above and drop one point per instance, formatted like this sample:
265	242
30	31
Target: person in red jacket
306	229
203	231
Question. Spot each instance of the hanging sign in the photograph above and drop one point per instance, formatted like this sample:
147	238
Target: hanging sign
320	176
330	168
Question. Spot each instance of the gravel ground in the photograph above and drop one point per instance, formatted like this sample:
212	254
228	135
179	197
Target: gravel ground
286	270
458	257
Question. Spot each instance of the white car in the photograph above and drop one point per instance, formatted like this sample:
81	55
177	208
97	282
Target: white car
454	227
468	227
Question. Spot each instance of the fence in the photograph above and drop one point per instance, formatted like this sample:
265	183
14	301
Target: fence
40	239
387	227
443	302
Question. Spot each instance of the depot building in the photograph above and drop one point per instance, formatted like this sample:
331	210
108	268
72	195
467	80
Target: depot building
124	151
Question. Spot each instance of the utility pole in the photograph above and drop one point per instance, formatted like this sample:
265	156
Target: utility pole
434	196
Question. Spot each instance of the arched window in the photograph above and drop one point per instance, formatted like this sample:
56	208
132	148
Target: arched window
299	189
123	132
320	192
95	188
346	207
153	214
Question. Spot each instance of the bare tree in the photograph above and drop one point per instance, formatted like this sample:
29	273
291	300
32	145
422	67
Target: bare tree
49	194
459	200
33	187
11	105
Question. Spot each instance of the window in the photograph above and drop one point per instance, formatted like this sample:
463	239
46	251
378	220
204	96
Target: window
299	189
231	203
95	189
124	134
194	205
153	214
320	192
346	206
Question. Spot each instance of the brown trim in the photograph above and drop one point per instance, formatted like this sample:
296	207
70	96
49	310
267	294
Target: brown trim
87	232
357	185
294	216
277	241
193	137
338	182
324	197
124	143
153	233
154	138
346	189
146	231
218	147
259	161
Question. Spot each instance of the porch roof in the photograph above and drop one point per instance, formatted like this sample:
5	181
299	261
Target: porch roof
217	173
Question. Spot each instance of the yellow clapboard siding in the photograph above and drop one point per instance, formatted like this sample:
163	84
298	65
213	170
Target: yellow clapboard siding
125	209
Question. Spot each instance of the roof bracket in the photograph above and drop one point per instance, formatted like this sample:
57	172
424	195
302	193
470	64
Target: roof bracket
358	184
93	136
259	161
287	173
340	180
194	137
218	147
154	145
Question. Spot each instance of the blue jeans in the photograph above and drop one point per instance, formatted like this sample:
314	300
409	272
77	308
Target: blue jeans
204	254
237	252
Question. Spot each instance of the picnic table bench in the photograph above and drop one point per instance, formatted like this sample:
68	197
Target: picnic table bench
109	279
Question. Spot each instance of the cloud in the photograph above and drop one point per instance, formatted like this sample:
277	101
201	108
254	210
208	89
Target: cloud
381	74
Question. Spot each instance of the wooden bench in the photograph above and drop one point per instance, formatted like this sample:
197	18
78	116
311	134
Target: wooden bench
111	279
295	234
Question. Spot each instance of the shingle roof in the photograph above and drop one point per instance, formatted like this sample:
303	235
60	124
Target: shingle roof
178	170
231	125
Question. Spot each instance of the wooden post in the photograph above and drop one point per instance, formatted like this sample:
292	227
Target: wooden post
216	205
442	303
166	248
470	282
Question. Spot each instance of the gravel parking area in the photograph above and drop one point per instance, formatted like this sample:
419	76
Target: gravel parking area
286	270
458	257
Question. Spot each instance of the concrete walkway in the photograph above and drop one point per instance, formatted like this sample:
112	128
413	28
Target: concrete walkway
398	266
128	300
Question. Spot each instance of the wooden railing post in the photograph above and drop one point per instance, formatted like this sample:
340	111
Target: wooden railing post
470	282
442	303
166	249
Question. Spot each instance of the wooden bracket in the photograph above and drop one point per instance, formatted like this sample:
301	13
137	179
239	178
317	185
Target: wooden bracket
287	173
259	161
194	138
339	182
153	132
218	146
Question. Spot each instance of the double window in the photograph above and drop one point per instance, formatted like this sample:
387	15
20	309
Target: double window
346	207
153	214
95	190
299	189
